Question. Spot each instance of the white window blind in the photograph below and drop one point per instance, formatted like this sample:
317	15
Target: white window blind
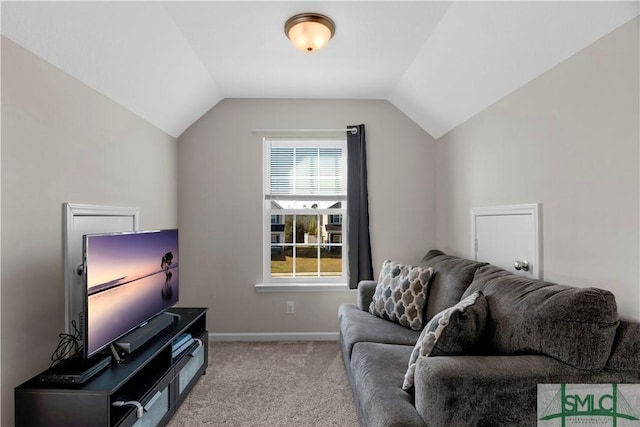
306	171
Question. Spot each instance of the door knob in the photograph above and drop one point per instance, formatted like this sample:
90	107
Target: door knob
521	265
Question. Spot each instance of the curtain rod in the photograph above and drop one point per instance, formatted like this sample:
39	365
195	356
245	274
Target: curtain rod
353	130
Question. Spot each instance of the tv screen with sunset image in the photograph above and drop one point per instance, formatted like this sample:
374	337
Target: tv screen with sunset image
130	278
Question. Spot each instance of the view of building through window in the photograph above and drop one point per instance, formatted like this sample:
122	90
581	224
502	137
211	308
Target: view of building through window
308	245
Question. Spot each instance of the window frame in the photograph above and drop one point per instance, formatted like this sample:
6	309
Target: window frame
308	283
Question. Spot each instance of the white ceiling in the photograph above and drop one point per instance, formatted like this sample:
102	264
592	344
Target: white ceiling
438	62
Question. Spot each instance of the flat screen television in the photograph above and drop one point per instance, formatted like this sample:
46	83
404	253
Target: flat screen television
129	278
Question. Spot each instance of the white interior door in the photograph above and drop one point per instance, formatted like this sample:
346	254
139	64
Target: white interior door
508	237
81	219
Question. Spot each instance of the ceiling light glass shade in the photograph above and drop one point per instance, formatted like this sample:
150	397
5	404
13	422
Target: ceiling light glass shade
309	31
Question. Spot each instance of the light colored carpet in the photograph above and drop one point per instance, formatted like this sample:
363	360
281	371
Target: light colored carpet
270	384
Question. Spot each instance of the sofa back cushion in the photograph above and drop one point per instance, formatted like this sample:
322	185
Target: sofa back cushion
452	276
574	325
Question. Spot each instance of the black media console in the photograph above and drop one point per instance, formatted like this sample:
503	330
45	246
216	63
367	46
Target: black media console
147	386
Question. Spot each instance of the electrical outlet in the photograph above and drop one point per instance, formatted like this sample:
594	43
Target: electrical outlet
290	307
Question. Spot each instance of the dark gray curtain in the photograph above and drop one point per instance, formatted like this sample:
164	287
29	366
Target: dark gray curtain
358	239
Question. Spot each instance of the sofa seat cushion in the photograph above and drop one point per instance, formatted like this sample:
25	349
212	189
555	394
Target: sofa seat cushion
361	326
401	294
574	325
377	371
451	277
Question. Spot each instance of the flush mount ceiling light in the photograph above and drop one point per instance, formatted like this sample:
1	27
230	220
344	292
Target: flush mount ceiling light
309	31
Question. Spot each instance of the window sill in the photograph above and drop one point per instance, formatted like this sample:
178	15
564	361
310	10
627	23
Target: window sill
301	287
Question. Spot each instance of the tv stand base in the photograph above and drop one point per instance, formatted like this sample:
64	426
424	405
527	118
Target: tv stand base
114	353
136	338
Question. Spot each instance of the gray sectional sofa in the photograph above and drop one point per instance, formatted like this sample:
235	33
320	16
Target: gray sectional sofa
535	332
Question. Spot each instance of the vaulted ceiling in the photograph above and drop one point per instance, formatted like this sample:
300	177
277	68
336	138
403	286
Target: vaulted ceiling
438	62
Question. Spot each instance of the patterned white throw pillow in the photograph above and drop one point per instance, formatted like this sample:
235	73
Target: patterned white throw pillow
401	294
454	330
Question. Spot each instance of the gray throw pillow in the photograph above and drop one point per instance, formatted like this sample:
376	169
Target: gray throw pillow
453	331
401	294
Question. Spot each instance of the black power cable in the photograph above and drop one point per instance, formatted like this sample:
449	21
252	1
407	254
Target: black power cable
69	345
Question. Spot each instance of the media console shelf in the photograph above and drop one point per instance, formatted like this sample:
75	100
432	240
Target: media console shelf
150	376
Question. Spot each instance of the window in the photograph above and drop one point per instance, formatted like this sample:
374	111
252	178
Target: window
305	193
335	219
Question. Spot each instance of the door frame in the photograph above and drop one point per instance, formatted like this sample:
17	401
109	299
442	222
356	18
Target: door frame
532	209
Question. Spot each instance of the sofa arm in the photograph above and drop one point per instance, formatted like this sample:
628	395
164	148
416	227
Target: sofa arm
366	289
491	390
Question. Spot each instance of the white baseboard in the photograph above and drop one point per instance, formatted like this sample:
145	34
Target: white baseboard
274	336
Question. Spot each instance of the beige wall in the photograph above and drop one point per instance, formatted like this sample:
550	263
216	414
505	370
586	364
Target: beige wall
220	208
63	142
569	140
